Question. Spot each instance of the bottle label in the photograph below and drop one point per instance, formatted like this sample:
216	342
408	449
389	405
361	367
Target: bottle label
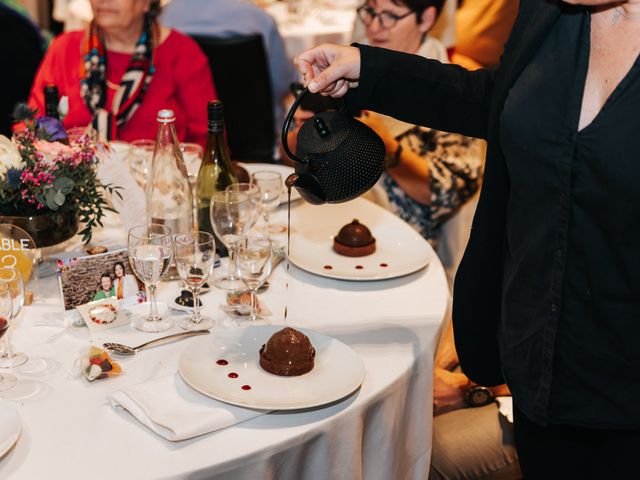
215	126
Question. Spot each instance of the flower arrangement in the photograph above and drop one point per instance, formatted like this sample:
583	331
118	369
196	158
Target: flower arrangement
41	175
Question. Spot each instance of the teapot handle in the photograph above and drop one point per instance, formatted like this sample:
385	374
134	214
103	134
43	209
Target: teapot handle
287	124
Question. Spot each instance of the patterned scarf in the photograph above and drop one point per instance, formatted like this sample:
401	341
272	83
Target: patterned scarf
132	88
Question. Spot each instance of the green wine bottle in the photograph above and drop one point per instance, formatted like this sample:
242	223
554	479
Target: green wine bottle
216	172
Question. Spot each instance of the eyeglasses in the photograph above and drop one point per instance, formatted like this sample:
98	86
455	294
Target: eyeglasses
387	19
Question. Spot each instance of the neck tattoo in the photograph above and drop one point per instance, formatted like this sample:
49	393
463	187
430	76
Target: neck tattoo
619	12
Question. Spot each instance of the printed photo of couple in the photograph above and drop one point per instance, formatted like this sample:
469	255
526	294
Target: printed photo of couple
117	284
95	277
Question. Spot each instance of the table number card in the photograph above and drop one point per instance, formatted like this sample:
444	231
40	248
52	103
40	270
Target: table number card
131	204
17	249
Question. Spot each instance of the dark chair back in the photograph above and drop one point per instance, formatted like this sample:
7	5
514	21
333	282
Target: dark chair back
21	49
241	76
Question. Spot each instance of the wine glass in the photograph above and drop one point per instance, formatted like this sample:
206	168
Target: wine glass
254	196
140	160
192	154
7	380
253	261
150	252
270	184
13	279
195	255
230	218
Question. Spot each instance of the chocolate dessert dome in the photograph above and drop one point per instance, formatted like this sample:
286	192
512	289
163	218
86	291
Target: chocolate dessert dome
354	240
287	353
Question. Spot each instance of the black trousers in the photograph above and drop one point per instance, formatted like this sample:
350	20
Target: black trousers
567	452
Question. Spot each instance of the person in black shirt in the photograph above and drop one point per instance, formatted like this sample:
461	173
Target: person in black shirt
547	297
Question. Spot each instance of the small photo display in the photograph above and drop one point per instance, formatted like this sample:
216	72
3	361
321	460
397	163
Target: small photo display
97	277
103	314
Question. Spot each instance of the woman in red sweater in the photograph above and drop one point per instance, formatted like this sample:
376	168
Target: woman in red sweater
124	69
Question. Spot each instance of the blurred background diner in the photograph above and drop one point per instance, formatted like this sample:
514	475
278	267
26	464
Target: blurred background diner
125	67
429	174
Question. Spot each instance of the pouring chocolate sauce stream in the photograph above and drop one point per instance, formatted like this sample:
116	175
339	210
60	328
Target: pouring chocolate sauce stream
289	182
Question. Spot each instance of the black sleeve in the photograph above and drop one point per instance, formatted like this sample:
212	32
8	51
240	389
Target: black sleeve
423	92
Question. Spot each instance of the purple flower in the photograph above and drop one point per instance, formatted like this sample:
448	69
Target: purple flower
53	127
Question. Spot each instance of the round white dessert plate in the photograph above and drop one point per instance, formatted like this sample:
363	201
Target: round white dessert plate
400	250
283	170
10	427
338	370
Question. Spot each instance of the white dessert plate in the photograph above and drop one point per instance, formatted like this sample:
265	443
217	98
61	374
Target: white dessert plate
400	250
283	170
9	427
337	372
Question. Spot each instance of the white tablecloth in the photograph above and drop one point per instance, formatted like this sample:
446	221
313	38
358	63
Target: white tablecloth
383	431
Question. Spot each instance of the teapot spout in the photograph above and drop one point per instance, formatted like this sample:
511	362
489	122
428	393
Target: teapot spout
291	181
308	187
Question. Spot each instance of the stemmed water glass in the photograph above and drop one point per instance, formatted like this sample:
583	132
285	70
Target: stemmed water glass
140	160
150	252
13	279
231	214
254	266
6	312
253	191
195	255
270	184
192	154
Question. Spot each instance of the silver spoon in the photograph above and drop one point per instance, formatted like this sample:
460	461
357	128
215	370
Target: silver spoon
120	349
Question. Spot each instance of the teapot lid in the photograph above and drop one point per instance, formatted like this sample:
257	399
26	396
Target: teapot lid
324	132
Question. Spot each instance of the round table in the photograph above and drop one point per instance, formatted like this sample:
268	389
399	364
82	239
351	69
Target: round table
382	431
322	24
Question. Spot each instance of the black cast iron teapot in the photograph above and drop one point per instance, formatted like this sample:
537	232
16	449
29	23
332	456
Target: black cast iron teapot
337	158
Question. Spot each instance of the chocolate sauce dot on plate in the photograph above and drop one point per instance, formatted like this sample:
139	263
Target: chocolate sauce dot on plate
384	265
359	267
222	362
233	375
246	387
328	267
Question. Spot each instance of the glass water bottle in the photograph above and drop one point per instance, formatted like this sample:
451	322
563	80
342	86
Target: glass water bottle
168	193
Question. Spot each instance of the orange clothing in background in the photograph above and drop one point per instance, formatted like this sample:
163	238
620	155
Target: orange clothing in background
482	28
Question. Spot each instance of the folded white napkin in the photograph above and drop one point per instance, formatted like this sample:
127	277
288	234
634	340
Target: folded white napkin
175	411
505	407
